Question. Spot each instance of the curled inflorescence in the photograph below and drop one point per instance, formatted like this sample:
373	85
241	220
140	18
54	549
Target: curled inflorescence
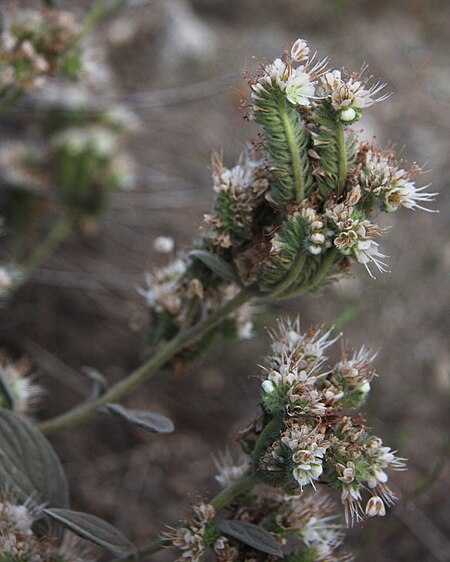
314	438
298	207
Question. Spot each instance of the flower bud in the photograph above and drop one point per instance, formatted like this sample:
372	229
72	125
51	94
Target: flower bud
300	50
268	386
347	114
375	507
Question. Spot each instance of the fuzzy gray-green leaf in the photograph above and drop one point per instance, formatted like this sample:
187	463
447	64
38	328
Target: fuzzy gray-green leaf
252	535
28	464
93	529
216	264
149	421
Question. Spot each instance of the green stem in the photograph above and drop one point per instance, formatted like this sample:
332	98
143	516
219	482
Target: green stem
272	428
317	278
245	483
342	150
293	149
291	277
184	339
55	236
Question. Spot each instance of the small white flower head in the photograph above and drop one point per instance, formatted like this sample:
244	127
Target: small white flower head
375	507
190	538
164	244
300	50
402	191
350	96
230	469
278	73
162	291
307	446
356	237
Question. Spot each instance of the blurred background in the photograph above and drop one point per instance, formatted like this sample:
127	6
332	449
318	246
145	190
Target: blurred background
177	65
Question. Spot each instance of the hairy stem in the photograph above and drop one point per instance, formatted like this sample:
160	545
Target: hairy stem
291	276
342	151
295	156
320	275
184	339
269	430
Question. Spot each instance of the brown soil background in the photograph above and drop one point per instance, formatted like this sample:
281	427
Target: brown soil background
78	307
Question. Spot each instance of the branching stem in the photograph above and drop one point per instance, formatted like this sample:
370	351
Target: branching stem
291	277
184	339
245	483
322	272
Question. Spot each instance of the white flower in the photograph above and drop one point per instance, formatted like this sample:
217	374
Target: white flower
403	192
350	94
300	50
299	89
278	73
230	469
366	252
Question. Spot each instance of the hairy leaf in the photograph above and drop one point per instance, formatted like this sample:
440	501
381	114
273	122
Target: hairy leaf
149	421
252	535
28	464
93	529
216	264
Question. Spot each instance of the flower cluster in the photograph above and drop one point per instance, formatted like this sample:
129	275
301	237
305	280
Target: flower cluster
18	391
239	191
311	433
192	538
298	207
306	522
178	295
67	162
322	166
19	543
34	45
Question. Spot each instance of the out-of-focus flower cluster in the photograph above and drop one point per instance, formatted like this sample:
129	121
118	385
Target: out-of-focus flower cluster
314	435
177	297
70	158
20	543
18	391
36	45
